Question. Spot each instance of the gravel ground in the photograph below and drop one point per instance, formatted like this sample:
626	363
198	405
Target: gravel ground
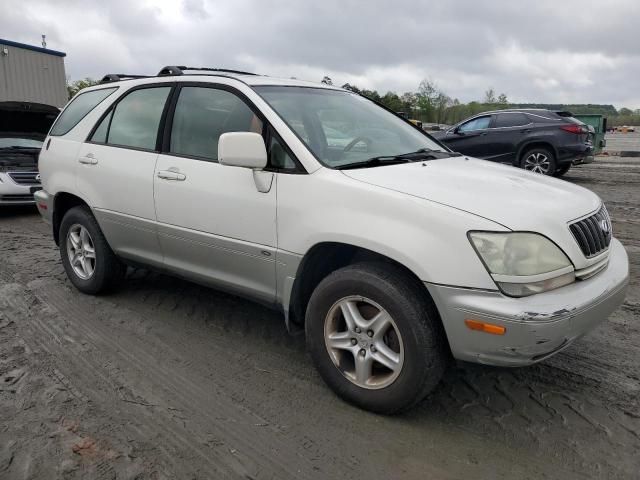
165	379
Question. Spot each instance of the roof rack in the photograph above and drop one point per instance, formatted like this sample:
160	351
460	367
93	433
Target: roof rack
171	70
116	77
179	70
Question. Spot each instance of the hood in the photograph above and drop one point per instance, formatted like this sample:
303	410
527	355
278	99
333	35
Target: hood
26	120
514	198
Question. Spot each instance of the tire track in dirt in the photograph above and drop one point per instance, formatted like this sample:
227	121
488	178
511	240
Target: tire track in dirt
92	369
45	343
253	446
38	407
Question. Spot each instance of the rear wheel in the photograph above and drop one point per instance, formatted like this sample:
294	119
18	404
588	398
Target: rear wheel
539	160
562	170
86	256
375	337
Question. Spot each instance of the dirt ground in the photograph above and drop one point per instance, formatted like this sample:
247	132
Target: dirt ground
165	379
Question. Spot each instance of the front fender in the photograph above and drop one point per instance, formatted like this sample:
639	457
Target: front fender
426	237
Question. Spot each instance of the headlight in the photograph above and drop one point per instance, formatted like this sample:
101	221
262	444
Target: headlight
523	264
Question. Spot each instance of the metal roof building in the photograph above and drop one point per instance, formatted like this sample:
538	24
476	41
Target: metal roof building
32	74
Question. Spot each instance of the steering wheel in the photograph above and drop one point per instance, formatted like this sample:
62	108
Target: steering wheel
357	140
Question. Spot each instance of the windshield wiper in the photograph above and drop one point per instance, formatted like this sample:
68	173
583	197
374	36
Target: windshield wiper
417	156
375	162
429	154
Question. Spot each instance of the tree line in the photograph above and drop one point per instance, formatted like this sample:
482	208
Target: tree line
430	104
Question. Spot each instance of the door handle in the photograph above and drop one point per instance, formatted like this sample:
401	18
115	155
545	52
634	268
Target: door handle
171	175
88	159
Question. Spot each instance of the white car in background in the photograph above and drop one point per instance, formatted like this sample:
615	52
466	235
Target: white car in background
391	252
23	127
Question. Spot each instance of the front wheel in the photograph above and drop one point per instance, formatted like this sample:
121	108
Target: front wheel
375	337
539	160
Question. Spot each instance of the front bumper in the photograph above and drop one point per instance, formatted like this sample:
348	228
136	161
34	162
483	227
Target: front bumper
12	193
537	326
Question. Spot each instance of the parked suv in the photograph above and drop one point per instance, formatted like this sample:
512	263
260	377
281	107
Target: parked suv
390	252
23	127
538	140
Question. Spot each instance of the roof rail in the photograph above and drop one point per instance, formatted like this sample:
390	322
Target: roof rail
116	77
179	70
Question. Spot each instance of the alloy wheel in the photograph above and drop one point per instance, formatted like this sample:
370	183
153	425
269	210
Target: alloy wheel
538	163
364	342
81	251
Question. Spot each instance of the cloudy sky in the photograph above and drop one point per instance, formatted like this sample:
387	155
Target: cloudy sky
561	51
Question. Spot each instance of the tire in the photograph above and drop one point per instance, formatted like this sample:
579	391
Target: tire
560	171
92	275
415	335
539	160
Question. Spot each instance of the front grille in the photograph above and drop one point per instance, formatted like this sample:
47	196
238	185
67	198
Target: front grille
26	197
593	233
25	178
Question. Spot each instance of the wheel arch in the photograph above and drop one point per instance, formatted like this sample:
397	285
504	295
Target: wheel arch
321	260
62	203
525	147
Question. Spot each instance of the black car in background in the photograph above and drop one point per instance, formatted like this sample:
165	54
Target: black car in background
534	139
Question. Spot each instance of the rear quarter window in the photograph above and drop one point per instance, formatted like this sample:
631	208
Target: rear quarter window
552	117
511	119
79	107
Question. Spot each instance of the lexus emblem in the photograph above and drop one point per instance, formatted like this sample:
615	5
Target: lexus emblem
604	225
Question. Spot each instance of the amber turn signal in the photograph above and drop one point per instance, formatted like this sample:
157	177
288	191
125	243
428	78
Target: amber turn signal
485	327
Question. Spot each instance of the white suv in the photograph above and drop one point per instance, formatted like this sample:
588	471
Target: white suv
391	252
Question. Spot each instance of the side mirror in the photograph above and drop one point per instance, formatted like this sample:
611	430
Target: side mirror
457	131
242	149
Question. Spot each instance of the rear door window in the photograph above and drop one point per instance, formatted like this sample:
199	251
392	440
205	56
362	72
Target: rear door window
79	107
511	119
135	120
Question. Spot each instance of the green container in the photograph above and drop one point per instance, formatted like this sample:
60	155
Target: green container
599	124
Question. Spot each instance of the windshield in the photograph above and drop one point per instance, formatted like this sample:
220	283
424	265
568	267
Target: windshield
342	128
20	142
